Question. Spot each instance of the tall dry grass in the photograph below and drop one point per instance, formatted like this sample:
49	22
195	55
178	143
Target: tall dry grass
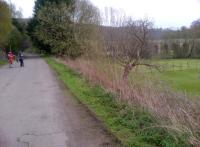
175	111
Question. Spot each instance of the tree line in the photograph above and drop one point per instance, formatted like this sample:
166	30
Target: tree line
12	29
180	43
64	27
179	48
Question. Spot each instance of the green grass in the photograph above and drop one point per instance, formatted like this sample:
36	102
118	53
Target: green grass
131	125
186	80
178	64
2	62
182	74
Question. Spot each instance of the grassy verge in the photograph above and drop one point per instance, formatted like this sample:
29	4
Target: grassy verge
133	126
2	63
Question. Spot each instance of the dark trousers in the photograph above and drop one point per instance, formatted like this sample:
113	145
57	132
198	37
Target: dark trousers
21	62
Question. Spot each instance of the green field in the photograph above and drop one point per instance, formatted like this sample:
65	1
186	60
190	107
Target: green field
182	74
178	64
186	80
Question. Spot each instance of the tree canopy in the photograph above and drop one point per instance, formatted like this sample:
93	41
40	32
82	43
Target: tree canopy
5	22
12	28
64	27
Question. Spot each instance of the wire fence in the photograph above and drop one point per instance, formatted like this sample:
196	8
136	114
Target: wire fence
179	66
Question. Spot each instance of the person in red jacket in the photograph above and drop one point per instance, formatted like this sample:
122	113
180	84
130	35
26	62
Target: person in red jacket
11	58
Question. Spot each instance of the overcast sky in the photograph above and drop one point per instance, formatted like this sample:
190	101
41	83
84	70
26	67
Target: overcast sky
165	13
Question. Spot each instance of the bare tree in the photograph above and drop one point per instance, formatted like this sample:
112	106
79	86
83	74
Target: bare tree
86	20
129	43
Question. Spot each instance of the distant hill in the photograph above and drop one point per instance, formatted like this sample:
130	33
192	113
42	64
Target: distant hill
156	34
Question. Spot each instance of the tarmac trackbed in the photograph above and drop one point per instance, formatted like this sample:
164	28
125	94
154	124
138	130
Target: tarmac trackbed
35	111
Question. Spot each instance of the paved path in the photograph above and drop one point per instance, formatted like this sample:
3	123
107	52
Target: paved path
36	112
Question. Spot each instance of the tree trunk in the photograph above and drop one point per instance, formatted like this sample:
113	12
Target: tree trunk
191	50
127	70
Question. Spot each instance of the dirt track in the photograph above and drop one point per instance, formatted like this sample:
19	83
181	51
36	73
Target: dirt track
36	112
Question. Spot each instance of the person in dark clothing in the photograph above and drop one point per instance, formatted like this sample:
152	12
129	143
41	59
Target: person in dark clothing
21	58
